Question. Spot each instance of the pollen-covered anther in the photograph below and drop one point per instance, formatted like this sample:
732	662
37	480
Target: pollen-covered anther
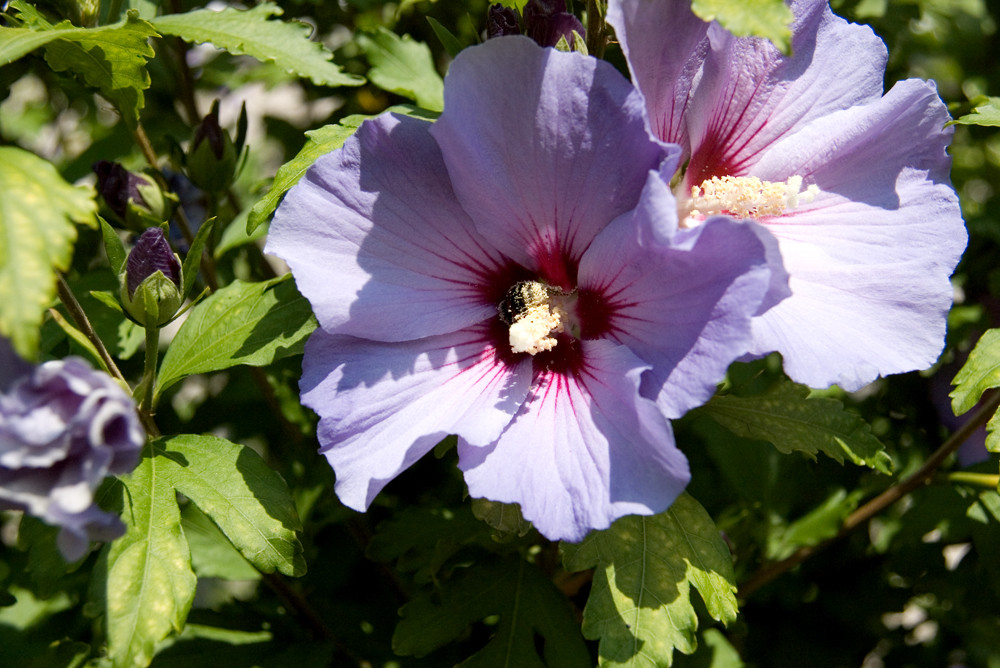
532	316
531	333
746	197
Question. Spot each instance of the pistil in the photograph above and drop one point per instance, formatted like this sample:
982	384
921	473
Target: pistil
744	197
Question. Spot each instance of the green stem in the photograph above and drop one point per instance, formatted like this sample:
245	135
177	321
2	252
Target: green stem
149	368
968	478
991	401
597	38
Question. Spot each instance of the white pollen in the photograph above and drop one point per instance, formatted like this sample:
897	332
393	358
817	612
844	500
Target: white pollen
530	332
746	197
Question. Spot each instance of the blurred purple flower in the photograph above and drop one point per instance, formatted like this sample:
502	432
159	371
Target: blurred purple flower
501	21
853	184
540	189
63	428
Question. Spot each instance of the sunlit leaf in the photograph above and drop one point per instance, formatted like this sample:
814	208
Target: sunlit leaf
403	66
985	111
770	19
788	418
320	141
243	323
37	211
250	32
150	584
980	373
640	603
535	630
248	501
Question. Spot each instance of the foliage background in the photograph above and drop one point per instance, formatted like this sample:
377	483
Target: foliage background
421	580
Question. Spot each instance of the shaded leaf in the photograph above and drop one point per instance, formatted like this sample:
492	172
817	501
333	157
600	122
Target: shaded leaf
788	418
111	59
528	605
402	66
980	373
447	38
243	323
320	141
212	555
814	527
770	19
250	33
36	241
505	518
985	111
150	584
640	606
248	501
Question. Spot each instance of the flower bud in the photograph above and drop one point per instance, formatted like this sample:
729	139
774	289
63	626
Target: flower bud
501	21
135	199
211	160
151	283
547	22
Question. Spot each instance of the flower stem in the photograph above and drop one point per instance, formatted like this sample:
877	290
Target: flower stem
969	478
76	312
149	368
880	502
597	38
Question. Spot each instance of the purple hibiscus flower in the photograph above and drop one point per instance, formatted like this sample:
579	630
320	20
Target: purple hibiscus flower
540	190
853	184
63	428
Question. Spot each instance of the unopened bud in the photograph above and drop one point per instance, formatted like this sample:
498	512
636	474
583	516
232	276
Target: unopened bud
133	198
151	283
211	160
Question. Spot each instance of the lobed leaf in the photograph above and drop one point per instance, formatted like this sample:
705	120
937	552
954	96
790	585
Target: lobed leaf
247	500
985	111
980	373
243	323
640	606
788	418
150	584
36	241
320	141
250	33
535	630
402	66
770	19
111	59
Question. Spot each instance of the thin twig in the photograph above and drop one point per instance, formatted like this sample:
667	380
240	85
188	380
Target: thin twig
880	502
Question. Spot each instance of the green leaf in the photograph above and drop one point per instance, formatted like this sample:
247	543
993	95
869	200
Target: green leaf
109	58
243	323
150	584
770	19
785	416
505	518
250	33
212	554
814	527
247	500
448	39
528	606
985	111
981	372
192	261
403	66
640	606
320	141
37	210
114	248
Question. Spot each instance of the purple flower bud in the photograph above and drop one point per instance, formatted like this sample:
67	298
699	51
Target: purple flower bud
63	428
151	254
547	21
117	186
211	160
501	21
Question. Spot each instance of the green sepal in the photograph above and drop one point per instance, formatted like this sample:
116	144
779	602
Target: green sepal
113	246
192	261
